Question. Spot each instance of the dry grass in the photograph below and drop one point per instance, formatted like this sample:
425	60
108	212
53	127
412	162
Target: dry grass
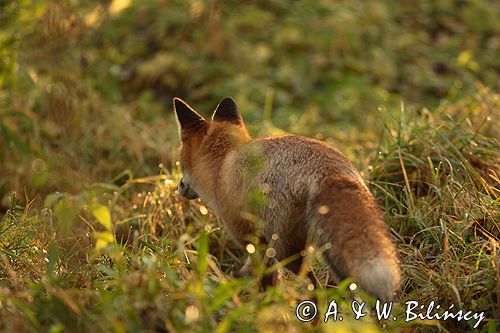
93	236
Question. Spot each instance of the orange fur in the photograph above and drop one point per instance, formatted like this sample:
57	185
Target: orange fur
312	192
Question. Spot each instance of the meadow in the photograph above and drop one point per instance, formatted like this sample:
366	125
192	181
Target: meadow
94	236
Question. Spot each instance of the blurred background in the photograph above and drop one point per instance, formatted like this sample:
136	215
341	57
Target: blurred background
86	86
93	236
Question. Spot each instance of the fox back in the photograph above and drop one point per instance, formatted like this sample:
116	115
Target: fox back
312	194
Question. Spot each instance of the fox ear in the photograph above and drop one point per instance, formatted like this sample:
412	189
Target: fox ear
227	111
187	117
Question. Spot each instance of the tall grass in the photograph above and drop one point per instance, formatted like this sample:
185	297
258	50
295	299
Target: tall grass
167	264
94	237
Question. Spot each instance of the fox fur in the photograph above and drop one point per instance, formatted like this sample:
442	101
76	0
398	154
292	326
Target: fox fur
312	191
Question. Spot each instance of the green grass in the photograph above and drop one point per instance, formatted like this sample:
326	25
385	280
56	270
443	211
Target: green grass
93	236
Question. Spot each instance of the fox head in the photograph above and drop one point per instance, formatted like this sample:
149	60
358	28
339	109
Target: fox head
204	144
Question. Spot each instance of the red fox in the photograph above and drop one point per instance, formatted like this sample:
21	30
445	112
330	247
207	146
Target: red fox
312	192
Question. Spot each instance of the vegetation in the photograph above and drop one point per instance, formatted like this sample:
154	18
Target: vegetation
93	236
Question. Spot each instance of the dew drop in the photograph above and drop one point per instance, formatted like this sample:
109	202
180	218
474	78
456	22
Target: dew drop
250	248
203	210
270	252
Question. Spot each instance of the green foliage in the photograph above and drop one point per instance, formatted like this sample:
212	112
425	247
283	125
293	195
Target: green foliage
93	236
438	175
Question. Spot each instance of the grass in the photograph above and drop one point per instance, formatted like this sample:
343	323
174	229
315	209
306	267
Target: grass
93	236
157	272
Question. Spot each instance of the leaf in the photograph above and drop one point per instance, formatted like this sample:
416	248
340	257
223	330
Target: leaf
464	58
103	215
103	239
66	213
53	256
202	254
52	198
56	328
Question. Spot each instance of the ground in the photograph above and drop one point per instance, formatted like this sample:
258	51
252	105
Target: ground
94	237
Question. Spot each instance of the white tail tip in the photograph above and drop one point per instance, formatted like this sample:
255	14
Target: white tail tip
379	277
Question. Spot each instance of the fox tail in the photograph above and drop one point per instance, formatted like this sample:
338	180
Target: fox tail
347	222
